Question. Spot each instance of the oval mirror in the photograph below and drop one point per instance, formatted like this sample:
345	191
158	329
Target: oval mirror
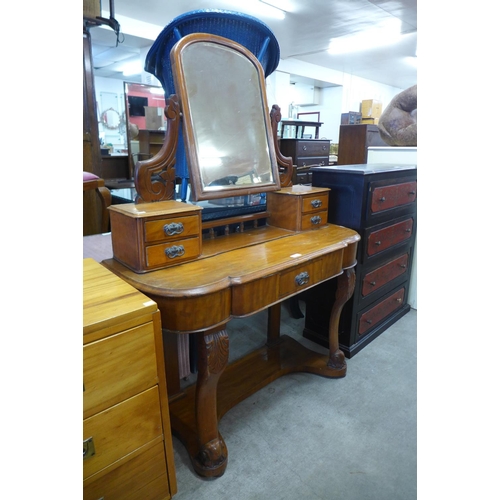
227	129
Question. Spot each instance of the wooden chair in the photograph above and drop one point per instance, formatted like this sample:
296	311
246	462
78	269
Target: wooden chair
92	182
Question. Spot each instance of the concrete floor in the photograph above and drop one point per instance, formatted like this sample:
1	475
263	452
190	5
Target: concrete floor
307	437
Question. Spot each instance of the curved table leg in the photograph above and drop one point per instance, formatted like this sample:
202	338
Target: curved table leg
345	289
213	355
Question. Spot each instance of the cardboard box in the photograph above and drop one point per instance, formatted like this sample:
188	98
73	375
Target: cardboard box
350	118
91	8
371	108
368	121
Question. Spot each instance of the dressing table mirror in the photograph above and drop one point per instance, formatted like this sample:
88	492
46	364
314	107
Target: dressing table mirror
202	276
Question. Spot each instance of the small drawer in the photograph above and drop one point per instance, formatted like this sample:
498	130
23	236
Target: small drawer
118	367
384	274
314	220
306	161
145	476
385	238
313	148
377	313
395	195
172	228
315	203
172	253
121	430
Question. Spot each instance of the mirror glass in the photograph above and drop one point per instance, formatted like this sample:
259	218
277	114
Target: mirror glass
145	119
227	129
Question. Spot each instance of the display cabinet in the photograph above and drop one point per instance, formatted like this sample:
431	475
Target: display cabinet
379	201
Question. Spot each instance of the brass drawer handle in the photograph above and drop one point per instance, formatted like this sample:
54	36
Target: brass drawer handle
316	203
173	228
302	278
316	219
175	251
88	448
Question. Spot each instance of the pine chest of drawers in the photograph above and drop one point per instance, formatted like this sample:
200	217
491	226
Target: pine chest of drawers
150	236
127	443
379	201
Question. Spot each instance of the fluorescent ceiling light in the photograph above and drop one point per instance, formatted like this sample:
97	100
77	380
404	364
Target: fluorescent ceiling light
133	68
262	8
386	33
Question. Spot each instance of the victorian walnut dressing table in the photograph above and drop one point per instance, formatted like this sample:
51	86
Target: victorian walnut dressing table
200	280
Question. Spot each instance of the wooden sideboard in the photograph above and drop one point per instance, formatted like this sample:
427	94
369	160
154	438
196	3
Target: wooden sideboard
127	443
380	202
354	141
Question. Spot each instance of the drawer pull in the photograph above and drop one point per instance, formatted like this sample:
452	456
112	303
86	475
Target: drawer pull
316	203
378	243
322	163
411	192
316	219
88	448
399	300
369	321
304	148
382	199
302	278
372	283
175	251
323	148
173	228
408	230
403	266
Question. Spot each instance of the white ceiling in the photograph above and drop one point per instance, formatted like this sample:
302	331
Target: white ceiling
304	34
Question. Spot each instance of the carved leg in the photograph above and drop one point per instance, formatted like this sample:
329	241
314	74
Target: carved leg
345	289
213	354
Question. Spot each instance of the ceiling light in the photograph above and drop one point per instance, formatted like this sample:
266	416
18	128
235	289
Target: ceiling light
386	33
262	8
132	68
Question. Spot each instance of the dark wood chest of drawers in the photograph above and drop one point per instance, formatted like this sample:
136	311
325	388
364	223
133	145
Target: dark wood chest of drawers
354	141
379	201
306	153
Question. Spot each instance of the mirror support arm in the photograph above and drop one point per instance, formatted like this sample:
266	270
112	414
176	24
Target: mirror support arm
155	177
285	163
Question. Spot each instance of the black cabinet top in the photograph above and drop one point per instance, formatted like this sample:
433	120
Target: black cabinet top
365	168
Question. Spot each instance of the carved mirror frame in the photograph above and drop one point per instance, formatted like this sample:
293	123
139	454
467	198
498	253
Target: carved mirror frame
227	112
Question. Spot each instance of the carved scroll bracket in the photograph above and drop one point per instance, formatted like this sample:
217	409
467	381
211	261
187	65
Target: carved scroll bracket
285	163
155	177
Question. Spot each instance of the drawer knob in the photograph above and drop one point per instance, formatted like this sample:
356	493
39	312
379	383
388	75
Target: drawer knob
316	203
408	230
403	266
323	148
399	300
382	199
372	283
316	219
302	278
88	448
378	243
304	148
412	192
322	163
173	228
369	321
175	251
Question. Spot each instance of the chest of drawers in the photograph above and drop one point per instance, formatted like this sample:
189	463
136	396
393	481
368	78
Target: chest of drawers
298	207
150	236
379	201
305	153
127	444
